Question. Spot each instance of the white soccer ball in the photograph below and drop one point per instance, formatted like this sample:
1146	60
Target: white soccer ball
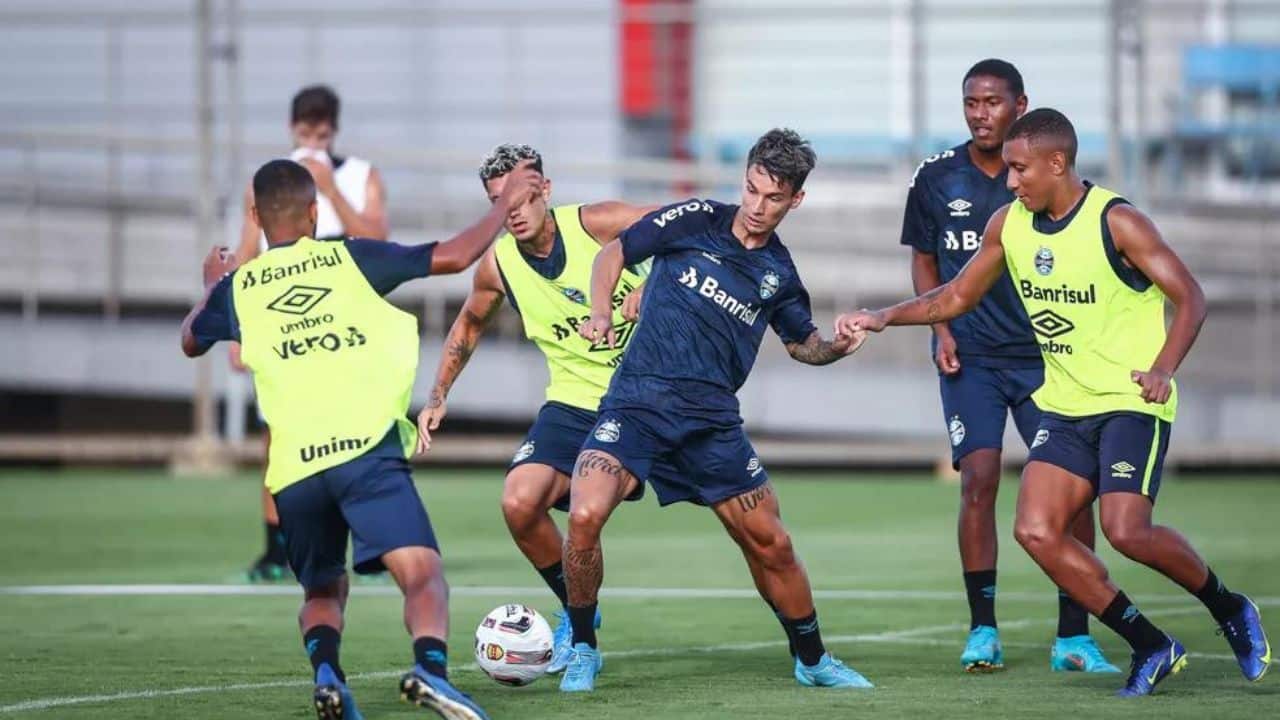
514	644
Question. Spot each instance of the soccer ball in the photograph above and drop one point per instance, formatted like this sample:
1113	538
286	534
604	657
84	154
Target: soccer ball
513	645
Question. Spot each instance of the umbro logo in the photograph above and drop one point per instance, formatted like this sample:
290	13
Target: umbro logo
959	207
298	300
1050	324
1122	469
712	257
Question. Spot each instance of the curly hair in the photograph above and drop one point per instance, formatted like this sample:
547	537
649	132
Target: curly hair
504	158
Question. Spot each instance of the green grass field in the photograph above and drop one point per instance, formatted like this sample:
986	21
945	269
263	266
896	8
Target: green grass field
881	553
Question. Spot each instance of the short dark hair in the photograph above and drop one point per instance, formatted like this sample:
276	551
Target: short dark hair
1002	69
1046	126
283	190
785	156
504	158
315	104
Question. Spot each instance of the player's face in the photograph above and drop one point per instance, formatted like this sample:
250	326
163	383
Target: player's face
765	201
313	136
1033	172
989	109
524	222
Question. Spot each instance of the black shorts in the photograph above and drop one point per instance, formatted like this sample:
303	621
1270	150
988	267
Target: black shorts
1115	452
372	498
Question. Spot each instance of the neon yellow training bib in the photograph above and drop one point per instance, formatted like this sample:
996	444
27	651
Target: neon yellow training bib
333	363
553	309
1093	329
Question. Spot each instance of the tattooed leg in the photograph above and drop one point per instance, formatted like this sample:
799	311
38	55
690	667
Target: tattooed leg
754	521
599	484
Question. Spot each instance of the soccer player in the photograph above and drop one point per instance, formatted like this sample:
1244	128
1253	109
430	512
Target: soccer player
1094	274
542	266
351	202
670	417
988	360
333	365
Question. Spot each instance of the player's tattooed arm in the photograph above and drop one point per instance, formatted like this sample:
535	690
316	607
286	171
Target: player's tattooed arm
947	301
606	220
816	351
477	312
1141	246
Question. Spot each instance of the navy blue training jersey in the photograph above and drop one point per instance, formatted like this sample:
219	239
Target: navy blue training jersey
948	206
707	302
384	264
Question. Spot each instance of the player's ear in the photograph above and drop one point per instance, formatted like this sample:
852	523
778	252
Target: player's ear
313	214
546	189
1058	162
797	199
1020	106
253	213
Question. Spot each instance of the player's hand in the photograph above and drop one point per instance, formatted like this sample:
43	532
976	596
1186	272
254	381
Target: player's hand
217	264
597	328
234	359
849	344
322	173
429	419
522	184
1156	384
851	323
631	304
945	358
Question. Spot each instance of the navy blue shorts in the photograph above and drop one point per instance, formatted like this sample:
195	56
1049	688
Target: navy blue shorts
554	440
976	401
682	459
371	497
1115	452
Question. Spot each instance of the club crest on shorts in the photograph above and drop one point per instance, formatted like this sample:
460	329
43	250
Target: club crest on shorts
753	466
523	452
1044	260
769	285
956	429
1042	437
608	431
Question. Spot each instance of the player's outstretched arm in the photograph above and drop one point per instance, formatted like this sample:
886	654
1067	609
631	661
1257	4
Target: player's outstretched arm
460	251
1140	244
816	351
947	301
605	272
477	312
606	220
217	264
925	277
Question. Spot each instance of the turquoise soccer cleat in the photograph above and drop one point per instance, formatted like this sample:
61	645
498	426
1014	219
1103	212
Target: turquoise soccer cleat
562	647
332	698
580	674
435	693
1079	654
830	672
982	653
1149	669
1248	641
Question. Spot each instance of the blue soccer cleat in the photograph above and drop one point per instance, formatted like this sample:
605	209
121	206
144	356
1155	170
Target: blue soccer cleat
1149	669
1248	640
982	653
1079	654
562	647
830	672
580	674
435	693
332	698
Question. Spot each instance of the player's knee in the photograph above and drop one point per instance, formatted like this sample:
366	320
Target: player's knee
1128	538
980	479
586	520
1034	535
773	549
520	510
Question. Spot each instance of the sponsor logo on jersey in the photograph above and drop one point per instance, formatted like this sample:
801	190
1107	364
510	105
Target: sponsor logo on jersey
1044	260
1062	294
709	288
267	275
967	240
679	211
931	159
1050	324
956	429
1042	437
335	445
769	285
299	299
328	342
712	257
575	295
608	431
959	207
1122	469
523	452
